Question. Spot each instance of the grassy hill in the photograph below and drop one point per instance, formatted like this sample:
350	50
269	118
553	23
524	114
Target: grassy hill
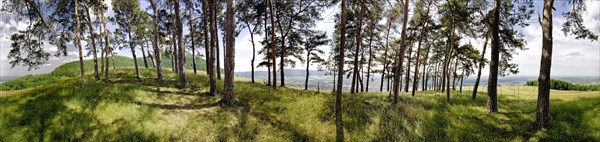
130	110
71	69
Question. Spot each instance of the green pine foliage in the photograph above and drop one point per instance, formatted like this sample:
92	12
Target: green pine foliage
564	85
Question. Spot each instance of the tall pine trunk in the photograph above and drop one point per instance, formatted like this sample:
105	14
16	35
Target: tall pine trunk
480	68
144	55
106	48
132	47
385	53
213	43
229	55
398	71
492	102
339	124
253	50
272	44
94	52
78	40
193	46
543	103
423	33
155	43
372	26
181	47
355	74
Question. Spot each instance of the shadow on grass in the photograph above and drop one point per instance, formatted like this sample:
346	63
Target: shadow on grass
60	113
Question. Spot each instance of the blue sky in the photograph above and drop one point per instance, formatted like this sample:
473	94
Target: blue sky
571	57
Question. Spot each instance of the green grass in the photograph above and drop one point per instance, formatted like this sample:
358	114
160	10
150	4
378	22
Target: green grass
72	69
130	110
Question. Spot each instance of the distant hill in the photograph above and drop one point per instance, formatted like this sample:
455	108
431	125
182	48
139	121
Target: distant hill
296	77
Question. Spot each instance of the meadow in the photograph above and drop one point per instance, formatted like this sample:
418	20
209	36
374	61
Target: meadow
128	109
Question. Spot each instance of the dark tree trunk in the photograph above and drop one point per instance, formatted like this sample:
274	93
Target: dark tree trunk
156	43
461	81
229	55
193	46
94	52
307	71
148	52
106	48
543	103
132	47
78	40
253	49
408	58
144	55
481	65
492	103
416	75
426	72
272	44
213	38
454	74
339	124
385	61
398	72
372	26
207	41
355	73
181	48
173	30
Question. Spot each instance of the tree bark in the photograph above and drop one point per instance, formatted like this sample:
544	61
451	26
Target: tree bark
181	48
229	55
193	46
253	49
416	76
543	103
78	40
408	58
148	51
132	47
107	49
94	52
492	102
156	42
173	40
355	74
481	65
398	72
339	124
307	71
211	53
372	26
144	55
385	61
272	44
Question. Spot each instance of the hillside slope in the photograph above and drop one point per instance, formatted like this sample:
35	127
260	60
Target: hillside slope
71	69
130	110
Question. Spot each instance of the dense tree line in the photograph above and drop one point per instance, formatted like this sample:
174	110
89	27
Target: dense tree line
564	85
428	49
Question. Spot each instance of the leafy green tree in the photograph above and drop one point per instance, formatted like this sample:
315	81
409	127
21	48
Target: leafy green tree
126	13
313	53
